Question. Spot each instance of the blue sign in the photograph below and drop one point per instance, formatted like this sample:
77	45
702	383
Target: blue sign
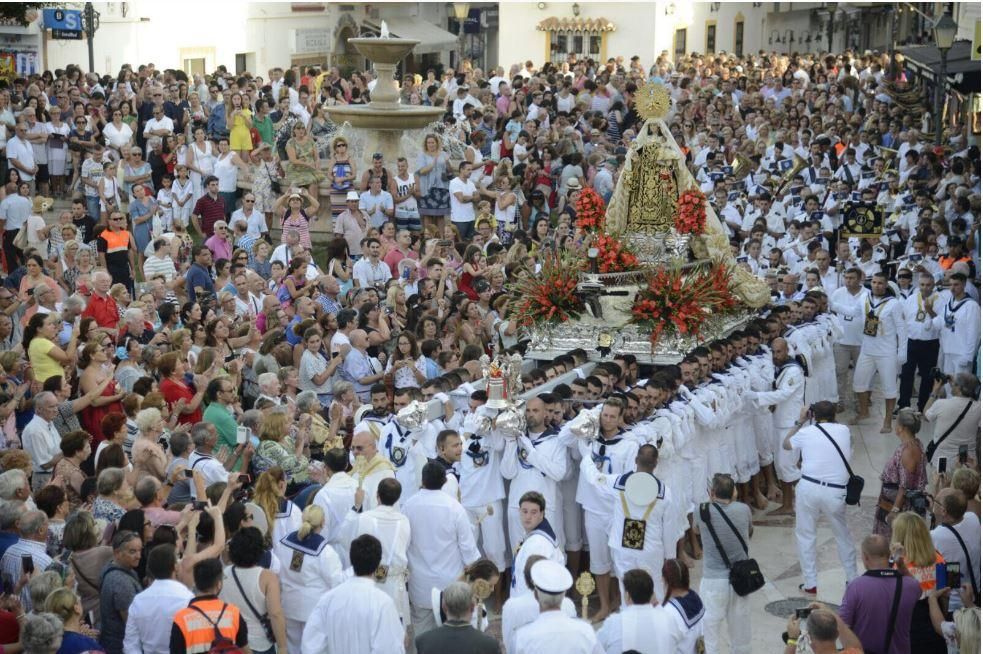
68	20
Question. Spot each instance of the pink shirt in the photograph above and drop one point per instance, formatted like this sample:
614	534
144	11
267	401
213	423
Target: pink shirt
221	248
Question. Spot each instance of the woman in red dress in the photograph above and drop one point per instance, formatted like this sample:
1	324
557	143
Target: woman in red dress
93	362
181	397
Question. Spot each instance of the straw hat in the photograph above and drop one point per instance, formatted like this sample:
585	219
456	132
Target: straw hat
42	204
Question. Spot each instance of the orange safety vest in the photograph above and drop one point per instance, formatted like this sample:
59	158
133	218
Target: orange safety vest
946	262
198	632
116	241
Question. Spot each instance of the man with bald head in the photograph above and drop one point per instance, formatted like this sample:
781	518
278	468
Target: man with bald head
786	403
869	600
370	467
535	461
359	368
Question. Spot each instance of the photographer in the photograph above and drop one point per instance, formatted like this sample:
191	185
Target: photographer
957	419
822	629
822	490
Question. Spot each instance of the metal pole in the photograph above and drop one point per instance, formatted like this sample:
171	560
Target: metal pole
940	96
829	33
90	28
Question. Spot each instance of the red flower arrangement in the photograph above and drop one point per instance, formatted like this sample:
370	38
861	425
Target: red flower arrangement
550	296
691	214
614	255
682	301
590	209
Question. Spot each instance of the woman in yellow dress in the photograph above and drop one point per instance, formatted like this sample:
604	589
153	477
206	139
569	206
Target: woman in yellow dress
240	120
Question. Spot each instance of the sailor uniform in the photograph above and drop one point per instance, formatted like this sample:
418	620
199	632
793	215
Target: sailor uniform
959	335
885	345
640	536
542	541
405	453
483	490
613	456
534	462
786	398
308	569
688	612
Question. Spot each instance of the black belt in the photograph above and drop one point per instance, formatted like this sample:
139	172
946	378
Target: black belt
824	483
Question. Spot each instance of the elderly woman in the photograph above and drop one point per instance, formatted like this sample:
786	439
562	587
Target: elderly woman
114	495
321	437
65	604
149	457
903	472
309	567
956	417
41	633
86	558
342	409
282	448
68	475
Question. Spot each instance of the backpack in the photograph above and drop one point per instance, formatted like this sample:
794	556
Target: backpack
220	644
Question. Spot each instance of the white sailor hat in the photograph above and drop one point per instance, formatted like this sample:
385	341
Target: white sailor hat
551	577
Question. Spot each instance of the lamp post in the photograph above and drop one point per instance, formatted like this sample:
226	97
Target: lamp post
461	10
945	33
831	8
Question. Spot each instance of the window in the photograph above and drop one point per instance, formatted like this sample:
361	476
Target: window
711	45
679	43
583	44
739	38
240	64
195	66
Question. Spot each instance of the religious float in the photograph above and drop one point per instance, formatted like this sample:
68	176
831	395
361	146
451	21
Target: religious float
659	278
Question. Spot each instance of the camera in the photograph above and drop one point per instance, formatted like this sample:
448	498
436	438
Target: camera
802	614
917	502
939	376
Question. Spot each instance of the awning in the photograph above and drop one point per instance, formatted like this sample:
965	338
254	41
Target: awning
431	37
926	60
568	24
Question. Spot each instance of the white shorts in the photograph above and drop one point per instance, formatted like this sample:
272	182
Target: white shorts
598	529
886	368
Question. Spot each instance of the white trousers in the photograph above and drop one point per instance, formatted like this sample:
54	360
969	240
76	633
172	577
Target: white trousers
573	516
811	502
785	460
845	357
953	364
725	609
489	532
886	368
423	620
598	529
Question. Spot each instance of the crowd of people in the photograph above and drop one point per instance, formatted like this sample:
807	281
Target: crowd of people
200	449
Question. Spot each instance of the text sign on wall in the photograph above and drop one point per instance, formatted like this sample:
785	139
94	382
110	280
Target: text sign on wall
312	41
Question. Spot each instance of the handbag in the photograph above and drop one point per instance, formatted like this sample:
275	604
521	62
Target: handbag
255	136
933	444
20	239
274	184
745	575
855	485
264	620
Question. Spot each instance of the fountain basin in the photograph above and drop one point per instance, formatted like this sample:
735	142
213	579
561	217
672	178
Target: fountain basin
396	117
383	50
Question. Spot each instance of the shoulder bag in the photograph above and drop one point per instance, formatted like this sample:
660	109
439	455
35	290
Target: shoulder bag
745	576
264	620
969	561
855	485
934	444
275	186
895	605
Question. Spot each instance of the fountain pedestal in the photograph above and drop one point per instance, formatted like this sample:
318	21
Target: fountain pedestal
383	119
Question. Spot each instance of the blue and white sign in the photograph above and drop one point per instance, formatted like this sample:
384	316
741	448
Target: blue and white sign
68	20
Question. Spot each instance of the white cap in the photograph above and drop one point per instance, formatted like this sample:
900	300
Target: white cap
551	577
352	195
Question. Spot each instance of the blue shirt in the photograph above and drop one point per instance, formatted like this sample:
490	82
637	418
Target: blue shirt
75	643
6	540
293	338
198	276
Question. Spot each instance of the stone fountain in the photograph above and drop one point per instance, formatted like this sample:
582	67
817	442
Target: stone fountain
383	121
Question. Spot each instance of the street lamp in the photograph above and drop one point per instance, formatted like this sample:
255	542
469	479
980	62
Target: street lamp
831	8
945	33
461	10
